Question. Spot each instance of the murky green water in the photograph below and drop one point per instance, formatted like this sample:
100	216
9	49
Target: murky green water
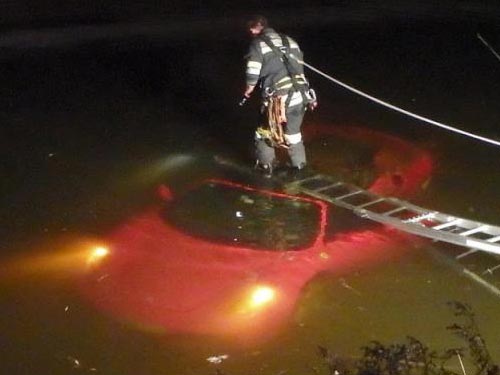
85	130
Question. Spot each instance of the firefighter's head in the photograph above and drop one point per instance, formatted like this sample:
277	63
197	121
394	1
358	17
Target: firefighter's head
256	24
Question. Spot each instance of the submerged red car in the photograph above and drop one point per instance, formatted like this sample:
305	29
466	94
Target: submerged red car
227	258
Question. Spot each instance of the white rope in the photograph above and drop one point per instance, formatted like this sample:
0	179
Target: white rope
488	46
393	107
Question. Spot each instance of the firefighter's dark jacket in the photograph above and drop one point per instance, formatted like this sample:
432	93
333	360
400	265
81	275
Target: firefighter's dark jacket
266	67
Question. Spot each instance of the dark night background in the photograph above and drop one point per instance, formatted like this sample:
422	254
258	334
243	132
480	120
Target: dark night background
90	90
94	93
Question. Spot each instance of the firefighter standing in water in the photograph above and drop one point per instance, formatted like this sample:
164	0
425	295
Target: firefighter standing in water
272	64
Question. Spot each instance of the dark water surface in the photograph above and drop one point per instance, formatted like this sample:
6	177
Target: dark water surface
84	131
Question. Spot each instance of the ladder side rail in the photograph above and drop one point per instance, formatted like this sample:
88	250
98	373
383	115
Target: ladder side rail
484	228
430	233
469	226
435	230
432	216
419	213
482	245
445	219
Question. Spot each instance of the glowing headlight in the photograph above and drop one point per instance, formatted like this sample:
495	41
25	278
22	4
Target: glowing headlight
261	295
97	254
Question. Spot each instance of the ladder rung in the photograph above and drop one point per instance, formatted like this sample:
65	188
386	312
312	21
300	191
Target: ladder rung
371	202
494	239
328	186
349	194
446	225
389	213
473	230
420	217
307	179
411	218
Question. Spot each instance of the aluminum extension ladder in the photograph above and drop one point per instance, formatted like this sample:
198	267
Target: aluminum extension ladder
480	239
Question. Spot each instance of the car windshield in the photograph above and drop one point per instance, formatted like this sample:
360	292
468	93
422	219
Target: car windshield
253	219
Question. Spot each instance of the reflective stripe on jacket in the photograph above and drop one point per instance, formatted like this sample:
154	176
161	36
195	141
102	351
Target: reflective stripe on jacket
267	67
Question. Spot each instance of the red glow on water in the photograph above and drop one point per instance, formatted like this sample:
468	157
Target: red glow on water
184	284
159	277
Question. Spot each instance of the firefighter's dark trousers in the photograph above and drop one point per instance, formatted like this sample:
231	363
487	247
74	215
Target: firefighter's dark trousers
265	153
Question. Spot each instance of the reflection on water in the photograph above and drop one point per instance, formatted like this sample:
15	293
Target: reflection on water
83	130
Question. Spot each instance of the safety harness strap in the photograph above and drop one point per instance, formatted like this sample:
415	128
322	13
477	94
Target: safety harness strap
283	55
295	84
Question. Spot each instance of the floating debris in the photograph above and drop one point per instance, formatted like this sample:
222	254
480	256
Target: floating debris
75	362
102	277
343	282
216	359
246	199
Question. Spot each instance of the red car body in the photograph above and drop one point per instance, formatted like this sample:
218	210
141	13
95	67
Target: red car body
161	276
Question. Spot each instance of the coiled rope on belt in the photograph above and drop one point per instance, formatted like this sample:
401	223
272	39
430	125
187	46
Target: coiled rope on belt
393	107
276	116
